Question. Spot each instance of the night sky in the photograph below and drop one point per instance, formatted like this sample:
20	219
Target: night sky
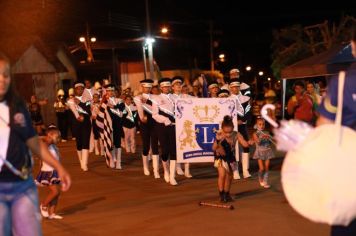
243	33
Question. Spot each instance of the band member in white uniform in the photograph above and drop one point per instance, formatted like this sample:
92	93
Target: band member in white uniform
116	110
95	106
129	124
147	125
163	113
213	87
244	88
82	124
177	83
88	93
244	113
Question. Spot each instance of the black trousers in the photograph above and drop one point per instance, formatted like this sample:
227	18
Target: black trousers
83	130
96	131
149	138
349	230
72	123
167	141
62	124
118	132
244	132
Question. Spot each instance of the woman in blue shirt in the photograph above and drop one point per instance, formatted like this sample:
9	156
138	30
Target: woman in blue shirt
19	211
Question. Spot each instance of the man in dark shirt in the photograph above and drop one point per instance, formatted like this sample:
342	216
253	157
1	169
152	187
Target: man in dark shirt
328	109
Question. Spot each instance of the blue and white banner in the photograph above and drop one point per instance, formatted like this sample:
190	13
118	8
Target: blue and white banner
197	121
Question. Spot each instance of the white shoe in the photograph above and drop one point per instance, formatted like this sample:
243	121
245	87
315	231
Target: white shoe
145	165
80	158
236	174
245	165
187	171
112	159
44	211
179	169
96	147
85	156
172	172
155	164
166	171
64	140
266	185
55	217
265	180
118	159
262	184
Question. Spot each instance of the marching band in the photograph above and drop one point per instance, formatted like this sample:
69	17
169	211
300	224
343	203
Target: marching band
113	118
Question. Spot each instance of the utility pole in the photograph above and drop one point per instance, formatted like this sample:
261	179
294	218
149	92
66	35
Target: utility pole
212	63
149	41
144	61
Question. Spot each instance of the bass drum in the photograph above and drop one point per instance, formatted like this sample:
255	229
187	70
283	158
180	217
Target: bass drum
319	177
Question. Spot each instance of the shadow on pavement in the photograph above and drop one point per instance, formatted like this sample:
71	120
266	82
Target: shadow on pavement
80	206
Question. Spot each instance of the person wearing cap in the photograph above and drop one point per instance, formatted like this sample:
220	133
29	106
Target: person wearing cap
213	87
97	88
129	124
244	88
234	73
116	109
88	92
147	124
244	115
177	83
163	113
223	93
196	89
70	116
95	105
127	89
60	107
82	124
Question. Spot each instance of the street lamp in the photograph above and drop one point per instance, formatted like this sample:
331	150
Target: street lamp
260	73
164	30
87	45
248	68
269	79
149	41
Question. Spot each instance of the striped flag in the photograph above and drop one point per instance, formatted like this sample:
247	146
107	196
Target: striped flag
104	123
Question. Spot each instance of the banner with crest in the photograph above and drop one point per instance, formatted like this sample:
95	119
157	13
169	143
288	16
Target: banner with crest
197	120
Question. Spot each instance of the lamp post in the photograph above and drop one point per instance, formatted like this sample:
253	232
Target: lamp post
87	41
149	41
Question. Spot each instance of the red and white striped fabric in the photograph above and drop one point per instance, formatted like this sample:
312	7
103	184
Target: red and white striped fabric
104	123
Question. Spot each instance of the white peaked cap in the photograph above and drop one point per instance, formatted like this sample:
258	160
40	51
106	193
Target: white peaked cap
244	86
60	92
97	85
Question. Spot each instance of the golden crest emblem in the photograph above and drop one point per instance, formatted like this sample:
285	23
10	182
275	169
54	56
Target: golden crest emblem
187	136
206	113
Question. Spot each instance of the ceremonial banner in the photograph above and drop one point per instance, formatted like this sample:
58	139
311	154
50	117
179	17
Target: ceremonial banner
197	120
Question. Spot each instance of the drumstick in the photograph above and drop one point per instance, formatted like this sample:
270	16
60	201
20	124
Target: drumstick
226	206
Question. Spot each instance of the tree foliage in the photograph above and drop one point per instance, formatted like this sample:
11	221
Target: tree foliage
296	42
